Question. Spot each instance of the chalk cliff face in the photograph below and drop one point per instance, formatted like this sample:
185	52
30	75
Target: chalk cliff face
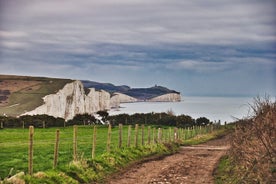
114	101
170	97
125	98
72	100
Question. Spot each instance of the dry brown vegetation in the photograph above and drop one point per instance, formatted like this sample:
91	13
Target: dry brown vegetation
254	144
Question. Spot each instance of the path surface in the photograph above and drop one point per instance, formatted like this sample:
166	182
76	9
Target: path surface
193	164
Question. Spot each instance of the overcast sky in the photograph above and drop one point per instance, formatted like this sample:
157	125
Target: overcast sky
198	47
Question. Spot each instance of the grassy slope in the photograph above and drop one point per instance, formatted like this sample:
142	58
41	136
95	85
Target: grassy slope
29	99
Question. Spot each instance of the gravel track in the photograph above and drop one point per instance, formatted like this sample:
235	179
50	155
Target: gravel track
191	165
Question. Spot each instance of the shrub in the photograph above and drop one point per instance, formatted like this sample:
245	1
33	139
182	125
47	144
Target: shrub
254	144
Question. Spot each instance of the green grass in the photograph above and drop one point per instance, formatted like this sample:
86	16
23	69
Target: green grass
225	171
14	152
14	146
202	138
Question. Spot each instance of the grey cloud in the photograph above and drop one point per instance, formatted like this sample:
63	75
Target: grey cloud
174	21
138	39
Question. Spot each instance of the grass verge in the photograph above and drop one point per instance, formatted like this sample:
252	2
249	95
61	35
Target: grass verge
89	171
224	172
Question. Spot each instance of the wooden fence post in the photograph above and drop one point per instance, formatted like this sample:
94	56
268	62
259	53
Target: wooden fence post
175	134
108	138
136	135
159	138
94	141
31	149
43	124
179	133
184	133
154	135
129	136
56	149
120	135
2	125
75	156
149	131
23	124
142	135
170	134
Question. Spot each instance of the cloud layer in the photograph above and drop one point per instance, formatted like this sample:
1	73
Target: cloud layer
197	47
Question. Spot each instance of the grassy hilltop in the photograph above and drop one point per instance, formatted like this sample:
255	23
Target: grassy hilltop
19	94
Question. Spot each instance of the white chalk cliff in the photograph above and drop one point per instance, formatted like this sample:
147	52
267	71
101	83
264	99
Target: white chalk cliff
170	97
72	100
123	98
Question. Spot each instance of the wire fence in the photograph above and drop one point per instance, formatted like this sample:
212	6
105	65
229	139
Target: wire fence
32	150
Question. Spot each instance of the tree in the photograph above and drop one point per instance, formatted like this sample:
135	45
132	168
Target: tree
202	121
103	114
184	121
86	118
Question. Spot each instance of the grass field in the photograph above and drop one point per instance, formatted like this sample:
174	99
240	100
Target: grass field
14	146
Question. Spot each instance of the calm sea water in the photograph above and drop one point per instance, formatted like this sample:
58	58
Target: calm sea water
214	108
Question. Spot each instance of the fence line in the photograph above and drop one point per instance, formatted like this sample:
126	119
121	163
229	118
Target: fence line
81	142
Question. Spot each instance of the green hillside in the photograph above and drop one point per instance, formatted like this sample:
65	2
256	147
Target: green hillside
19	94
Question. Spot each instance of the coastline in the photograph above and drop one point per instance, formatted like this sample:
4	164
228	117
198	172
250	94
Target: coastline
214	108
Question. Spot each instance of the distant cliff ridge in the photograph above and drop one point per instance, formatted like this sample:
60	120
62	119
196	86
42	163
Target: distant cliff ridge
123	98
140	94
72	100
25	95
171	97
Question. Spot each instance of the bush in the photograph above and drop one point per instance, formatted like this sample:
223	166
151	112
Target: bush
167	119
37	121
254	144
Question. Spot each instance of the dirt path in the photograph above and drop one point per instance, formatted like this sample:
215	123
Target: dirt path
193	164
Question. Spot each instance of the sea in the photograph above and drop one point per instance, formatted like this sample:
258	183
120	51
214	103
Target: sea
223	109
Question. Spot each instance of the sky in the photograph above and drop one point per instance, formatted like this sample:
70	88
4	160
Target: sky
199	48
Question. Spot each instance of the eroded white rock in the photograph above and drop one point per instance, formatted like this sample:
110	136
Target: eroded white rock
170	97
72	100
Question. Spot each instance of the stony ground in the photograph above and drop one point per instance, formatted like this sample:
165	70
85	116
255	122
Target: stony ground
193	164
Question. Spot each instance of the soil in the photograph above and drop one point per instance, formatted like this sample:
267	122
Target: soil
192	164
